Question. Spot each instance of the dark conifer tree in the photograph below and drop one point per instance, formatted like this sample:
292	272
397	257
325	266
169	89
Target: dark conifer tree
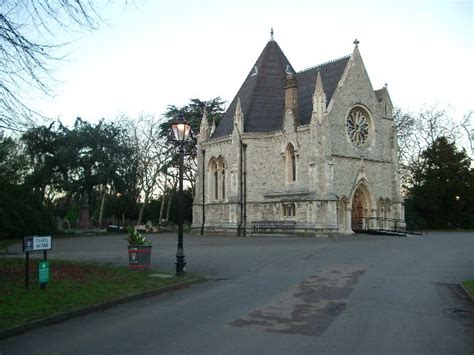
442	194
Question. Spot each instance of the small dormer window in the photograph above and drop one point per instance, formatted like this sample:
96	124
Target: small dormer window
255	71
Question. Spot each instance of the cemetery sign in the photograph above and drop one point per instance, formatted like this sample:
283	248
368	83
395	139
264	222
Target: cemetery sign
36	243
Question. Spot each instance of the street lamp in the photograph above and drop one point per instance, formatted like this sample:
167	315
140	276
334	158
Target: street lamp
181	130
119	195
457	198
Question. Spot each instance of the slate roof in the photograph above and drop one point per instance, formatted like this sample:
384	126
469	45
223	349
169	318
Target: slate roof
262	95
331	73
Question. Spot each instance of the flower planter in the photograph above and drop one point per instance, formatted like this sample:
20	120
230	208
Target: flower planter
139	256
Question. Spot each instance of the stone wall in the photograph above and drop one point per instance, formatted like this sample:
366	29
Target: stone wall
329	166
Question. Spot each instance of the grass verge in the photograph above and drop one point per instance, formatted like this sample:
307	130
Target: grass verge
469	287
72	286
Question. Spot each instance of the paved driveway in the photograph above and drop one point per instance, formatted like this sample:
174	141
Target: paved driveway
275	295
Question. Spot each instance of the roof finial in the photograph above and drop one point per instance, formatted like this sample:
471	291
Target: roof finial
356	42
271	34
385	86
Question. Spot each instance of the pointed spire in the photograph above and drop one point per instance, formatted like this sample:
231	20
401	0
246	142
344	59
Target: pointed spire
204	116
271	35
238	107
355	53
319	98
271	66
204	128
238	117
319	89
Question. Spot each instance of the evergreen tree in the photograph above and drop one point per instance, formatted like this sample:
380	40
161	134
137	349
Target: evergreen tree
82	163
442	193
22	211
193	113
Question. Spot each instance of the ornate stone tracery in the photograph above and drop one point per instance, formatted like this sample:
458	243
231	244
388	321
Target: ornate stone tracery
217	178
358	125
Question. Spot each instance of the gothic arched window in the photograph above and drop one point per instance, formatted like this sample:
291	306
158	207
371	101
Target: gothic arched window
213	179
221	176
216	185
290	163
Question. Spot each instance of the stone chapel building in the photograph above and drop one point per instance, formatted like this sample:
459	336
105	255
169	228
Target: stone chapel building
309	152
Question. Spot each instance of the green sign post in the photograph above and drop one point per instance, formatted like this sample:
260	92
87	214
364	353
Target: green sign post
43	273
32	244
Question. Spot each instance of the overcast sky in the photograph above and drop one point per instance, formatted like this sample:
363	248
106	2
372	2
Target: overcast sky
156	53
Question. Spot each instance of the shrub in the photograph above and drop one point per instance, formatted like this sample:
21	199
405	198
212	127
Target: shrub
23	213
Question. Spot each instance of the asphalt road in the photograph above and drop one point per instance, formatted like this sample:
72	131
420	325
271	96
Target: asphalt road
275	295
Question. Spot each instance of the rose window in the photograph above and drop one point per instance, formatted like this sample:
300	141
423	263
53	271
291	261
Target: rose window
358	126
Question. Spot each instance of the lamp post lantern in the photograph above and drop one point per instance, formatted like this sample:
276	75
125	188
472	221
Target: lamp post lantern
181	129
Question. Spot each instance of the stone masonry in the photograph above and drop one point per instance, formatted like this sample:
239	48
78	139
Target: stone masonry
313	152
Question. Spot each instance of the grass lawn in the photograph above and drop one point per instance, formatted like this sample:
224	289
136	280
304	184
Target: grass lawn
72	286
469	286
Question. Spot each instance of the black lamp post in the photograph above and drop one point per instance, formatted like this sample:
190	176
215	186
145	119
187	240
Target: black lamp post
181	129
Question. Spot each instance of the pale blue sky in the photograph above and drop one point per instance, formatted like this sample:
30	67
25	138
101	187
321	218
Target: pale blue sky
157	53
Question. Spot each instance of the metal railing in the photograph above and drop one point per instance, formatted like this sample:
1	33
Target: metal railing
385	225
380	225
272	226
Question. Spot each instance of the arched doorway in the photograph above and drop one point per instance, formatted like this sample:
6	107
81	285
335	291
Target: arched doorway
360	208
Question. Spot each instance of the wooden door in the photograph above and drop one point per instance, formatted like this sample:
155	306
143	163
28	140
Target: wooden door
357	211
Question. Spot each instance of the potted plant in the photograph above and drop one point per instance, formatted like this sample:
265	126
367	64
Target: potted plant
139	250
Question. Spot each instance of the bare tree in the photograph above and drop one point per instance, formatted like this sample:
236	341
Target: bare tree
416	132
405	123
152	153
468	127
433	123
163	188
170	193
30	44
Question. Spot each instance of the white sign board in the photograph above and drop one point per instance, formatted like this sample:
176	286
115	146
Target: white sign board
35	243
